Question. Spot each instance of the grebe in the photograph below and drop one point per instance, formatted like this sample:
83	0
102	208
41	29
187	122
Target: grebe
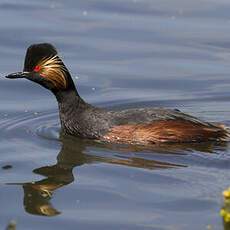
132	126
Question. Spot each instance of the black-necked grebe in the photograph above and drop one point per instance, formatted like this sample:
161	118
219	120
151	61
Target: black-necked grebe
135	126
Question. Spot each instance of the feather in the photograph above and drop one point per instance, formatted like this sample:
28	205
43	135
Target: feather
167	131
53	69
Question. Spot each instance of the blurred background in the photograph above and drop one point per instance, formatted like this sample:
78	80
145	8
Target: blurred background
123	53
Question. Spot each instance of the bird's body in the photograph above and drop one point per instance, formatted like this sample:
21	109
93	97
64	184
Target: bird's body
134	126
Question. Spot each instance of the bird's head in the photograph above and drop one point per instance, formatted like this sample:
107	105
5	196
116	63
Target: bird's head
43	66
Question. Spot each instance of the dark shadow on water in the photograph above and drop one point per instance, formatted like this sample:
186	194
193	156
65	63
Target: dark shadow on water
76	152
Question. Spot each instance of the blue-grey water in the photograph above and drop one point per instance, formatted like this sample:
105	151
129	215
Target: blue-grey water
121	53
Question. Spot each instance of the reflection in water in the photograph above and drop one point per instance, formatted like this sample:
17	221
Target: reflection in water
37	195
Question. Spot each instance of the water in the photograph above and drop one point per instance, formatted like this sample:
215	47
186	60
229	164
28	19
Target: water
122	54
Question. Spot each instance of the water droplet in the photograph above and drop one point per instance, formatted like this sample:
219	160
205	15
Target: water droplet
85	13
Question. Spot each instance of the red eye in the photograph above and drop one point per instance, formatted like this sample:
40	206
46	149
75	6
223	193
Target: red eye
37	68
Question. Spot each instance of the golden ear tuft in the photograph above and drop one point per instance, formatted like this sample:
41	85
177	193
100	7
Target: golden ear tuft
53	69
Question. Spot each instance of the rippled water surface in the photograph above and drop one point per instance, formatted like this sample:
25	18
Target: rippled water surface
122	53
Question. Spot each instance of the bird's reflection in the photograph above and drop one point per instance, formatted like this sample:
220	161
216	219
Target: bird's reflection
74	152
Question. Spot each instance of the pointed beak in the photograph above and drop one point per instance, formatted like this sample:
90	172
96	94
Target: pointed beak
18	75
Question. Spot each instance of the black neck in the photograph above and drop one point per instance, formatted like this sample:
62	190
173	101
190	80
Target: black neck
71	105
69	97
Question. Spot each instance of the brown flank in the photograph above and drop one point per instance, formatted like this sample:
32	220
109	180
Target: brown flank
170	131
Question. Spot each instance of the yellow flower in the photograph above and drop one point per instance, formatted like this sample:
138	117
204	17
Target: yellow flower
226	193
222	212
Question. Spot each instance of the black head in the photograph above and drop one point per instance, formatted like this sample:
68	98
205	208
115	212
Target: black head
43	66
